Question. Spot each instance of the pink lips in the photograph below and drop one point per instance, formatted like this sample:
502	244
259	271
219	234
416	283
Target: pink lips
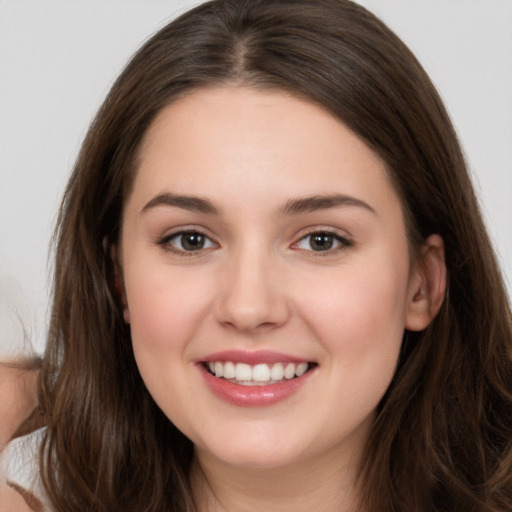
252	396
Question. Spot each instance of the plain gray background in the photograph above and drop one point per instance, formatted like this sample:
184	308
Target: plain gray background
58	58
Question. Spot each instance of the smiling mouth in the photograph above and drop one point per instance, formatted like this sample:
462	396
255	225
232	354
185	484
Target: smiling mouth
257	375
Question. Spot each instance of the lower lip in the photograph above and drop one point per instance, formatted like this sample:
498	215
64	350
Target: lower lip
252	396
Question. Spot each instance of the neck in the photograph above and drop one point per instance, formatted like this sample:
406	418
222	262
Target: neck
311	484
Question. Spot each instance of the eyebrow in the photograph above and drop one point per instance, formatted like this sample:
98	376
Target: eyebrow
314	203
192	203
291	207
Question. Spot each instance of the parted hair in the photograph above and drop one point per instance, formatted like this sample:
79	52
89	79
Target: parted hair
442	437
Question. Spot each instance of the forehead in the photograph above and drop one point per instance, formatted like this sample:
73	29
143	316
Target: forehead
227	139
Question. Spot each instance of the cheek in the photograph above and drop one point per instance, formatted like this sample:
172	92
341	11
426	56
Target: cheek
165	307
360	315
361	329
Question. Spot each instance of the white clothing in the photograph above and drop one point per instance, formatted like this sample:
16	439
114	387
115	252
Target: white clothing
20	465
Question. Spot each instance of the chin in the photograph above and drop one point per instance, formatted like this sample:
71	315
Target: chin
250	452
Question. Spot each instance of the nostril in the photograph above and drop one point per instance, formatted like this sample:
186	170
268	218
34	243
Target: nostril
250	300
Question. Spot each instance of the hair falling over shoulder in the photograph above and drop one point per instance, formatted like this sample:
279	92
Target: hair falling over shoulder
442	439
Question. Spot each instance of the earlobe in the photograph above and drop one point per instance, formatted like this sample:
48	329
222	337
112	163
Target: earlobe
122	295
126	313
119	284
427	284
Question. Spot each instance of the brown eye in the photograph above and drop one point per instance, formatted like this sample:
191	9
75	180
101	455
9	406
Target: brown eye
322	241
192	241
187	242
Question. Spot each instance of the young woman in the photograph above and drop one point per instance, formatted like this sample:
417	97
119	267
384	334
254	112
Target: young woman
273	287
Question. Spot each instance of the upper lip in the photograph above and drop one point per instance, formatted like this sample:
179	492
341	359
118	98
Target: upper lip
253	357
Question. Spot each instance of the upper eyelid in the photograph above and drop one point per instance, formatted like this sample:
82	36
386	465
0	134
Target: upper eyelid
170	236
343	235
164	242
344	240
310	230
181	230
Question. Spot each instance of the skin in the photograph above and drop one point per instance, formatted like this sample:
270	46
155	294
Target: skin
12	501
18	399
260	284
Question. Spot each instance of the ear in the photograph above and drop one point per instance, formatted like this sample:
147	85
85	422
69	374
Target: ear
119	282
427	284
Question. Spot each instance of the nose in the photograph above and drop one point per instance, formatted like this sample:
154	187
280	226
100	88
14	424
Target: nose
252	296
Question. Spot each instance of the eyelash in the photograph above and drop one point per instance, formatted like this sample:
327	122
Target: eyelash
166	243
344	243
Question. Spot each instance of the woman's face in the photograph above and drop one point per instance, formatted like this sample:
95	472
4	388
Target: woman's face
267	277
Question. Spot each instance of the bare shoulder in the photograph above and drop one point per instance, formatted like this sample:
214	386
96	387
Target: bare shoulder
12	501
18	397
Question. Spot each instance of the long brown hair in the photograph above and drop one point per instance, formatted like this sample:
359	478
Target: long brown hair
442	439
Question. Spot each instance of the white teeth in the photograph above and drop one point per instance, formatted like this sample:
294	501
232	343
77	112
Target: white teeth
261	373
229	370
219	369
242	371
277	372
289	371
301	369
245	373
